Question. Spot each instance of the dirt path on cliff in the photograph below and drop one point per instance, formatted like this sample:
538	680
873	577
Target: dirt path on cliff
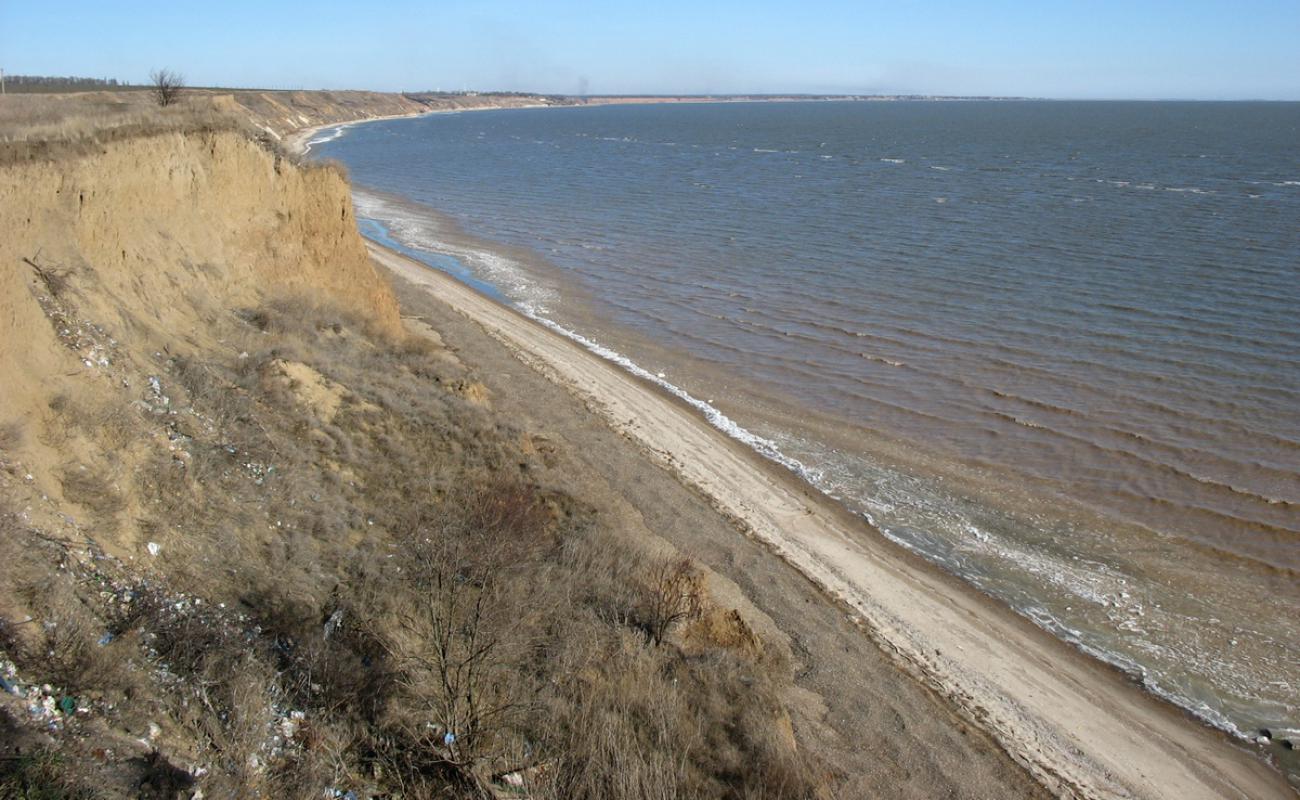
1077	726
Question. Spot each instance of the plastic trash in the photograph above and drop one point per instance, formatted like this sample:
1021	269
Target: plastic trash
333	623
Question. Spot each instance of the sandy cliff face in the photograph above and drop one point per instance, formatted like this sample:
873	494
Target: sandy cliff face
284	112
147	241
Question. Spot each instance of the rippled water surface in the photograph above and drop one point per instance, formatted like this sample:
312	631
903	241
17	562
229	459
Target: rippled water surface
1053	346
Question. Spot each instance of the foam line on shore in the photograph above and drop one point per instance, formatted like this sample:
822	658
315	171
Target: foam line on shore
1080	729
771	450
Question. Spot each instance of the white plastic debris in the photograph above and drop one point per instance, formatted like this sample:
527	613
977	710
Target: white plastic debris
154	548
332	623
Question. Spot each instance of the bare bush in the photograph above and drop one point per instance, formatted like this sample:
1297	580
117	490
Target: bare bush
464	635
166	86
672	596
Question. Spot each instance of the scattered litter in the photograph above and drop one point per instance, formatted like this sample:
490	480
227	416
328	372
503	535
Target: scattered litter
154	548
44	704
333	622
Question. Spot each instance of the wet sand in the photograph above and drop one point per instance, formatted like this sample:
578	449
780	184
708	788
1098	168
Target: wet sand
1078	727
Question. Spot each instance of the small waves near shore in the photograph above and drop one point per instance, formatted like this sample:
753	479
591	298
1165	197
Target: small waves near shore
1051	347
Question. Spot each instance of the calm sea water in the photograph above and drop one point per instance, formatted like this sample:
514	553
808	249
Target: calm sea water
1054	347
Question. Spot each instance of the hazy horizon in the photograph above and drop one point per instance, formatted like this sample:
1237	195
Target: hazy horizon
1111	50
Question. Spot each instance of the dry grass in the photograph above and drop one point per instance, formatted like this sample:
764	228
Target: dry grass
49	126
41	775
391	577
40	127
12	434
90	488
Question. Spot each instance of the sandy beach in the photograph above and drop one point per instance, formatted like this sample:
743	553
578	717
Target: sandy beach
298	141
1080	728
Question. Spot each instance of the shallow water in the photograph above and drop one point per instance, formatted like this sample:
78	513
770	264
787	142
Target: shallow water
1051	346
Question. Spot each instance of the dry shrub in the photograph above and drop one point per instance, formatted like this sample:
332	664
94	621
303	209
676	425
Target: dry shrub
110	423
41	774
303	318
89	488
621	736
55	279
59	640
113	424
671	595
464	630
11	435
226	691
73	658
182	635
238	696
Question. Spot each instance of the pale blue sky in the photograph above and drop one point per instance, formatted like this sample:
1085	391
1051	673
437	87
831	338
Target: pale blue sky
1207	49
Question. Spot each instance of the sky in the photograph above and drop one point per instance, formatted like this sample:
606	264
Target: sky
1139	49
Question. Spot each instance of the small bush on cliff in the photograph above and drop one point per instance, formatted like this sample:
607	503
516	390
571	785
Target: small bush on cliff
166	86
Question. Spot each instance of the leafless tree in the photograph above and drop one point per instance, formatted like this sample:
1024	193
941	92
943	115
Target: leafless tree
673	596
461	628
166	86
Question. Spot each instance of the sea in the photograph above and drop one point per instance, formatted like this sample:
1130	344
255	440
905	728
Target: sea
1053	347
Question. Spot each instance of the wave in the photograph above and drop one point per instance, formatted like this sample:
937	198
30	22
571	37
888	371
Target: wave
816	477
1094	582
1197	351
418	231
504	272
330	134
882	360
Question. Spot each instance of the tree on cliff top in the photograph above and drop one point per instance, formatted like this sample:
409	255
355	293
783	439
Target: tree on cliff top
166	86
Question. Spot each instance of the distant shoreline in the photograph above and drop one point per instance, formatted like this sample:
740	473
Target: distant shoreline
298	141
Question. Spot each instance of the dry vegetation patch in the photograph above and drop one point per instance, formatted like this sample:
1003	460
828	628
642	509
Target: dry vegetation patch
359	579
